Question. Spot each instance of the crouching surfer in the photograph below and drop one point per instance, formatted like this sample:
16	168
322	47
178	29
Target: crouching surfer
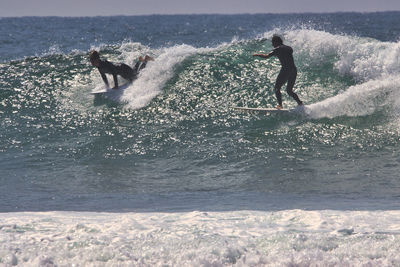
121	69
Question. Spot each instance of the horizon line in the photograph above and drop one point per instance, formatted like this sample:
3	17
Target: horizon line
201	14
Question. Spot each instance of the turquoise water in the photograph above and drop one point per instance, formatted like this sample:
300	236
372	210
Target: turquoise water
173	134
166	173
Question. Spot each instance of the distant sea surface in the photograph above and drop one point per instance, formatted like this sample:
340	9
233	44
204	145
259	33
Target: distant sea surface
166	173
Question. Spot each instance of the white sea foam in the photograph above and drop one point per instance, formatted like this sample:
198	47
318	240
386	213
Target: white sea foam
153	78
359	100
235	238
363	58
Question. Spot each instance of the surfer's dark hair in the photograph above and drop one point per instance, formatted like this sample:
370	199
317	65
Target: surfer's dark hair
94	55
276	40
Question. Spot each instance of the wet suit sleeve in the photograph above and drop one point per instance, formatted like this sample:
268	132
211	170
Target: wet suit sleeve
274	52
108	67
113	71
104	77
115	80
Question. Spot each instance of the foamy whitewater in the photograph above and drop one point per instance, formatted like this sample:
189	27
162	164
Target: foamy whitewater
240	238
166	173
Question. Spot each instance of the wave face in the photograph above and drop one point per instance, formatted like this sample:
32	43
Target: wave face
173	131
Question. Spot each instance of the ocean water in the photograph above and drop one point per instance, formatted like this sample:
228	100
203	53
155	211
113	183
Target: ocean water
166	173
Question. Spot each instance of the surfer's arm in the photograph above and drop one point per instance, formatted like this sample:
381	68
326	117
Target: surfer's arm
264	55
104	77
108	67
115	81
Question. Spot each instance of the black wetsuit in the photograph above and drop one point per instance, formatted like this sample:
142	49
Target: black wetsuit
123	70
287	74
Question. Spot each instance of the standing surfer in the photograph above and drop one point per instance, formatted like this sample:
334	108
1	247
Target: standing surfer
288	72
122	69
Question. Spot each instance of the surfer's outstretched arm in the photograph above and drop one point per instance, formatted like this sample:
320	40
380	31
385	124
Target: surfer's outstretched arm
263	55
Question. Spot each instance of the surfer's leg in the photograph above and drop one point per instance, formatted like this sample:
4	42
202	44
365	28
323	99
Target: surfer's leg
278	95
289	89
126	72
282	78
141	64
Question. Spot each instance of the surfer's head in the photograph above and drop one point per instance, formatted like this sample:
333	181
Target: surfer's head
276	41
94	58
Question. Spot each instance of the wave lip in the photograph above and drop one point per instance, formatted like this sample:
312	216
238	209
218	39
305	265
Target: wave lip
153	78
358	100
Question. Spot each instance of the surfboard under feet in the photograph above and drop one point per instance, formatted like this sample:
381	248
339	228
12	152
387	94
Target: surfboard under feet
263	110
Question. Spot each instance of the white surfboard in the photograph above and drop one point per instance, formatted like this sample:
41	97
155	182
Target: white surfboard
263	110
99	90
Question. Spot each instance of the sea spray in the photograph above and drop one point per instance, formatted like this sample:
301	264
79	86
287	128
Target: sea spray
359	100
153	78
372	64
